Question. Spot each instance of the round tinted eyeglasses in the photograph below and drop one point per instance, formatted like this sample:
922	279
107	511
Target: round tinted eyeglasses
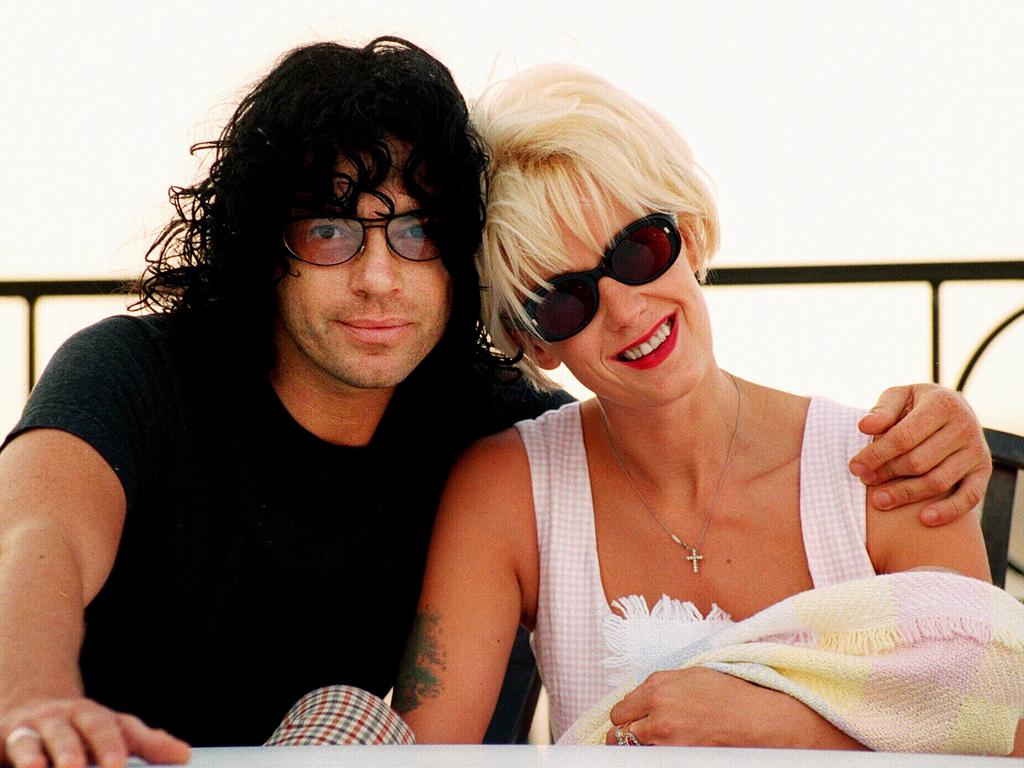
326	241
641	253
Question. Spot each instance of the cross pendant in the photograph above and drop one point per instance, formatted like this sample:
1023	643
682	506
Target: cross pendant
693	557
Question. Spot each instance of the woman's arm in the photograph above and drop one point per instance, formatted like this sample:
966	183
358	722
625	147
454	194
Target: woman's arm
472	601
897	542
705	708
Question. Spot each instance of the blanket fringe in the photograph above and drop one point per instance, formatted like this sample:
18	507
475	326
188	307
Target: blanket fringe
666	609
883	639
620	631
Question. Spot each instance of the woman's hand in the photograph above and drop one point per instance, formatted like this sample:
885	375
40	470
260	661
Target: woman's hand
928	444
701	707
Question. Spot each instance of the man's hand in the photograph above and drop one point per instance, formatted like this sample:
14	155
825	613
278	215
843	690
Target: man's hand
71	733
701	707
928	444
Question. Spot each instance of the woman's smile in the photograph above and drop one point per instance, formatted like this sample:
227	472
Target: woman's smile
652	348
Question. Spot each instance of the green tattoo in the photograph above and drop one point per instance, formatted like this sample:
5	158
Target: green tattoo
422	663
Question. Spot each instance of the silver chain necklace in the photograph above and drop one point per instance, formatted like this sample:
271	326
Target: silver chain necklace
693	557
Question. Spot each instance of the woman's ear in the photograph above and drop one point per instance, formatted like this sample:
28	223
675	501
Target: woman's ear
534	348
542	354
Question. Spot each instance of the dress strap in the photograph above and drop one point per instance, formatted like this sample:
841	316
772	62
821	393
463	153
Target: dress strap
832	499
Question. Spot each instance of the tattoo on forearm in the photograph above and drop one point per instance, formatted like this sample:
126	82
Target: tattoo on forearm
423	662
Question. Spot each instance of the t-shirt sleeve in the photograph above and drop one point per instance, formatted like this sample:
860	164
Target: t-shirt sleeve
107	385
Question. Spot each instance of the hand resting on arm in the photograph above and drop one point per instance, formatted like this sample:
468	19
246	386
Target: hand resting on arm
929	445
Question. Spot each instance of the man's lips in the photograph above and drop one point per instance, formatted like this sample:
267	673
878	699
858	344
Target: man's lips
376	330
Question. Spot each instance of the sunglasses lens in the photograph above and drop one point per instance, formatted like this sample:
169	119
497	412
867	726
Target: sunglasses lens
565	309
643	255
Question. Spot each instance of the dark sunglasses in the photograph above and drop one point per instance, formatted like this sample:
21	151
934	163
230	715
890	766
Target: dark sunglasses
326	241
639	254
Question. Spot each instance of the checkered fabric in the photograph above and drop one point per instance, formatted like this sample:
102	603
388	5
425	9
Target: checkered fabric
340	714
571	609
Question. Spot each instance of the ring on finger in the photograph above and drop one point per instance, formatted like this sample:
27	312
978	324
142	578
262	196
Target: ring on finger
629	739
619	738
19	733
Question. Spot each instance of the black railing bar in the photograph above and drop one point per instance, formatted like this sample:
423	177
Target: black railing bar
936	326
934	273
928	272
35	289
31	300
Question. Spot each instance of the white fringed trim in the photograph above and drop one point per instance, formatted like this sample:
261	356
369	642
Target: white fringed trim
666	609
883	639
619	631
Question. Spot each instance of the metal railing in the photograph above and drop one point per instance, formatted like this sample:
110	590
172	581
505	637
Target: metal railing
33	290
932	273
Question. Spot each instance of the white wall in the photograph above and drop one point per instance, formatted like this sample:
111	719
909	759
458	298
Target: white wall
834	132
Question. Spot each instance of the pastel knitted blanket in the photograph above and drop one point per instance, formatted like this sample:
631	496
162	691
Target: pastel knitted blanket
910	662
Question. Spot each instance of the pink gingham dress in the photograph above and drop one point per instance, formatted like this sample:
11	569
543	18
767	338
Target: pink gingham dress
577	634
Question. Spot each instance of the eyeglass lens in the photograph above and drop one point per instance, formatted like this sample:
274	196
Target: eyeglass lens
329	241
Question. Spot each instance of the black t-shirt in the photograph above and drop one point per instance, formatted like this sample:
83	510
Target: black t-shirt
257	562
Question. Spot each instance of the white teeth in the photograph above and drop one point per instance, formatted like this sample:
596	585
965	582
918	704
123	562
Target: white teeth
655	341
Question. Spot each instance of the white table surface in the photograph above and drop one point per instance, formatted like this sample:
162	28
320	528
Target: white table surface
566	757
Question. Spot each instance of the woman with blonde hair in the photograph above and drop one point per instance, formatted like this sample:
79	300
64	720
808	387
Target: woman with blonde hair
678	502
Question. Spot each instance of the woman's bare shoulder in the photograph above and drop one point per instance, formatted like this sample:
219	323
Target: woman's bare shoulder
487	506
494	456
491	476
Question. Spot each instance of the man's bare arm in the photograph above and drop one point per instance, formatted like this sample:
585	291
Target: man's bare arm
62	510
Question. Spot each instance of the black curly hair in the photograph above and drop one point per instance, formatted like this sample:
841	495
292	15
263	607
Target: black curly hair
221	256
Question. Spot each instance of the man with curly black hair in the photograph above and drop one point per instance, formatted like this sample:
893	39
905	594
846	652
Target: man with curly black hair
235	492
245	491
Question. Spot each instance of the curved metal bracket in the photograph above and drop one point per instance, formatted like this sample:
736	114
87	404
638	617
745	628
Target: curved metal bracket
984	345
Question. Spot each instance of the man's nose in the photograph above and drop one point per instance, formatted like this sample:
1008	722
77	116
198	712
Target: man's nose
376	270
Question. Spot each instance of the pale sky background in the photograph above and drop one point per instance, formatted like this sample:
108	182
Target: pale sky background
833	132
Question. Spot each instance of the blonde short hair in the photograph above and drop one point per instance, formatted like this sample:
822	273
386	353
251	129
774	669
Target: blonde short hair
564	144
